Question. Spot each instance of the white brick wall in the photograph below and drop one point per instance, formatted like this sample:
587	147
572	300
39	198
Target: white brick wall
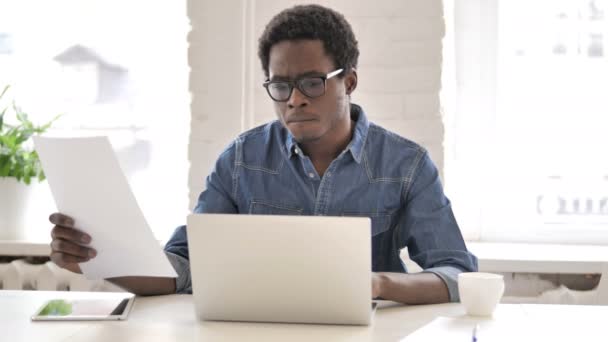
399	71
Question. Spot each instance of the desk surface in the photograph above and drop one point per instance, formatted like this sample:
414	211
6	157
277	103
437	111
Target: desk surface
171	318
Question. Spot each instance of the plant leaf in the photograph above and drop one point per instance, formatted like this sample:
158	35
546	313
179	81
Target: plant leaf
2	118
4	90
16	159
5	166
46	126
41	176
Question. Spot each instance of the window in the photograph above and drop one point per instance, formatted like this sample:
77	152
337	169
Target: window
527	117
115	68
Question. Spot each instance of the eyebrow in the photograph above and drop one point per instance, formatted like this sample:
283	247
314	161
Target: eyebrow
305	74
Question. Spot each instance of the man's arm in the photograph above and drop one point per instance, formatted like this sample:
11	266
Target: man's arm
218	198
70	247
429	230
145	286
418	288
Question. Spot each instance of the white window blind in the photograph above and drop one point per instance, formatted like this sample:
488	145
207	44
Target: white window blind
527	119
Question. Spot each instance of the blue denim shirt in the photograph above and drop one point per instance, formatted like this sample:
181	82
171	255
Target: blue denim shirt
379	175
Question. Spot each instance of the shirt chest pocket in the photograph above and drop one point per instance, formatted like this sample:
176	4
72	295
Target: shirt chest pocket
380	221
261	207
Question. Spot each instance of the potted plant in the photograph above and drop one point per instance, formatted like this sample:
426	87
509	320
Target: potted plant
19	166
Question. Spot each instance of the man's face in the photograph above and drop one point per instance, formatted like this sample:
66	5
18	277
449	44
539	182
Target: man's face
308	119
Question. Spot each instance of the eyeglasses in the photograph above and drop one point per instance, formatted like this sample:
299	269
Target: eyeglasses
280	91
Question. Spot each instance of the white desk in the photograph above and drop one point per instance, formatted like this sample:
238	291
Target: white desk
171	318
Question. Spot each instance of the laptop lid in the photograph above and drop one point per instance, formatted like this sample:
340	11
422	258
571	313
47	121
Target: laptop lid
270	268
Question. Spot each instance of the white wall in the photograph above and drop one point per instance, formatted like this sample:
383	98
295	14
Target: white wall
399	71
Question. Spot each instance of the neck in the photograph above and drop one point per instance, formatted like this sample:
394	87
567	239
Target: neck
323	151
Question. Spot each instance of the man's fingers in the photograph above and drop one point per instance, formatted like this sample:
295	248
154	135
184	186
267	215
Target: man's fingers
61	220
63	260
70	234
68	247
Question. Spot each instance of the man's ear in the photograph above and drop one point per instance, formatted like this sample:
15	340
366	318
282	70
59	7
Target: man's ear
350	81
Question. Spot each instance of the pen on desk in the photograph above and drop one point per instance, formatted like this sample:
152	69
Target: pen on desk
475	329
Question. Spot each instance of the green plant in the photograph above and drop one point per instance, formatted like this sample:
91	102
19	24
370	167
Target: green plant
16	159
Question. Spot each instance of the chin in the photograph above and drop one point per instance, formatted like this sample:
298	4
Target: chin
304	137
306	133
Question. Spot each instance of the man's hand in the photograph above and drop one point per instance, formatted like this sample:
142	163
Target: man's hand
416	288
69	245
377	280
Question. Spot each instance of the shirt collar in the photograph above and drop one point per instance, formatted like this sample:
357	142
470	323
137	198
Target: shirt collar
357	143
290	143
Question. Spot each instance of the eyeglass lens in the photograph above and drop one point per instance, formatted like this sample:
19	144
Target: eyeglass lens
310	86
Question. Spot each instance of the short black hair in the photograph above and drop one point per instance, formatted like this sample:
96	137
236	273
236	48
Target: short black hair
312	22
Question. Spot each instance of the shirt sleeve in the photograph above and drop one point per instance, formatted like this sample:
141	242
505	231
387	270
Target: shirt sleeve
183	283
449	275
429	229
218	197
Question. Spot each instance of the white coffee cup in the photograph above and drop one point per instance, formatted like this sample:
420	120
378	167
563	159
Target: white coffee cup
480	292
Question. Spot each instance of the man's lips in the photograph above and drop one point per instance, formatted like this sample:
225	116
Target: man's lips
300	119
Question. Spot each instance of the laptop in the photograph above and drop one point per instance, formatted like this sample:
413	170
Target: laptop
290	269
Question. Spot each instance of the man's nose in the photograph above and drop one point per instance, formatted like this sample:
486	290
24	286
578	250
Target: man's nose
297	99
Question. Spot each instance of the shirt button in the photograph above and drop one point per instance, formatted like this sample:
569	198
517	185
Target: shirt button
297	151
311	175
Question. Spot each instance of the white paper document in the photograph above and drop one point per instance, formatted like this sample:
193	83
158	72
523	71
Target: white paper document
89	186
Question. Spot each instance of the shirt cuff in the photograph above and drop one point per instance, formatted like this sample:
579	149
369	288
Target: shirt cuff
449	275
183	283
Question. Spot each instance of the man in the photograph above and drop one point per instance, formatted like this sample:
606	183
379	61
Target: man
322	157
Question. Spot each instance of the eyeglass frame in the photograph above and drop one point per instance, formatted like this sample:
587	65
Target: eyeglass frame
295	84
